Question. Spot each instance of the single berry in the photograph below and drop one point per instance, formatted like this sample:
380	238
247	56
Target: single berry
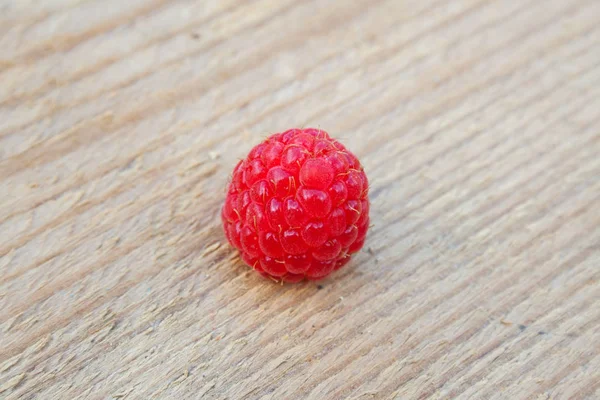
297	207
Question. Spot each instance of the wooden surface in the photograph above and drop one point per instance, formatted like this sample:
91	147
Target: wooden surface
478	125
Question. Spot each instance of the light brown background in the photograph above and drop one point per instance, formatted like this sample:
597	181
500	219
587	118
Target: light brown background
478	125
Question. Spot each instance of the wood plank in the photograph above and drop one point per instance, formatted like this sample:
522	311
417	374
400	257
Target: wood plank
477	123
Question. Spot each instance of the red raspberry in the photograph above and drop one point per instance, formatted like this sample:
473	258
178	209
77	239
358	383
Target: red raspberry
297	207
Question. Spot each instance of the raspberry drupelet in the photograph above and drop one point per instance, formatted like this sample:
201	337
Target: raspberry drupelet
297	207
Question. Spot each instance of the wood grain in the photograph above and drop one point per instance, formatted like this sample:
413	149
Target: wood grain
478	123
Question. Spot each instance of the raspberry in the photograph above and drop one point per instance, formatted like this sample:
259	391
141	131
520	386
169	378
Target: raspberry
297	207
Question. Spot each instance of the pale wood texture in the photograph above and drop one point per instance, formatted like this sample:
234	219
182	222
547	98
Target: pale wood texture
478	125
